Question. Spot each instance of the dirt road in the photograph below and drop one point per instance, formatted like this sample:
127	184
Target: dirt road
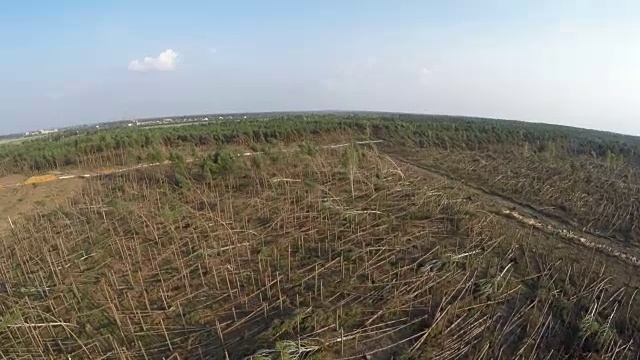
530	215
10	182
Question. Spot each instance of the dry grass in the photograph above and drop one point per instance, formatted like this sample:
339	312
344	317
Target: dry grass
342	253
598	196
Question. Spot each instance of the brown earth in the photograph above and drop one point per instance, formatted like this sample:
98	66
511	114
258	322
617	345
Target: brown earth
356	254
18	200
11	180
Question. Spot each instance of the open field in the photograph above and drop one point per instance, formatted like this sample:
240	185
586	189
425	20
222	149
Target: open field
437	243
20	140
176	124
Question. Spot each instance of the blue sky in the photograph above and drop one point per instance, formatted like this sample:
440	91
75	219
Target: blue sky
71	62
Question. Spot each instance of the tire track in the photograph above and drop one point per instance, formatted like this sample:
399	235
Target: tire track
37	179
529	215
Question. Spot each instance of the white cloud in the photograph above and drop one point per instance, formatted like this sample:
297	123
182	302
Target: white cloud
213	50
166	61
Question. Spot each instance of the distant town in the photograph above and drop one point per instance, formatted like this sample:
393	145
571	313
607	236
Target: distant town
169	121
144	122
162	121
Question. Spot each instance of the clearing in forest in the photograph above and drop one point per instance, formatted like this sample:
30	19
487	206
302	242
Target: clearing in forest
409	248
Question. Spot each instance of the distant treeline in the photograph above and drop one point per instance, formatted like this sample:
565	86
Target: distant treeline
467	132
127	145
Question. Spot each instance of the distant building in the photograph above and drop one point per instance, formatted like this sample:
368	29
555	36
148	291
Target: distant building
45	132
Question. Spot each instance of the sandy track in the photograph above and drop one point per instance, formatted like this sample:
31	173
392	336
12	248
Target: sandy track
529	215
38	179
